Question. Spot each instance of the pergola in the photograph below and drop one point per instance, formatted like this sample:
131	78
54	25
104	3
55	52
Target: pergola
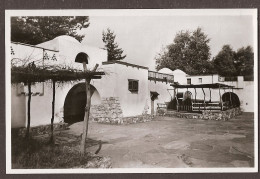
199	106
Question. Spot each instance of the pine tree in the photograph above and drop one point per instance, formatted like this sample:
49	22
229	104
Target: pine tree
113	52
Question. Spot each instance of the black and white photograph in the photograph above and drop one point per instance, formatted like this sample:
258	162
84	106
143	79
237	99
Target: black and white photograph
131	91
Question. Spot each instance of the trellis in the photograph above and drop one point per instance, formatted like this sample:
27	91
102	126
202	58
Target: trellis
29	74
203	106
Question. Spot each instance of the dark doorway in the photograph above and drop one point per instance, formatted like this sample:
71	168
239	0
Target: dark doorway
231	99
75	102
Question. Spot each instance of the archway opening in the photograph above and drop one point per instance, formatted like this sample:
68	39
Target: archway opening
81	57
187	98
172	105
75	102
231	99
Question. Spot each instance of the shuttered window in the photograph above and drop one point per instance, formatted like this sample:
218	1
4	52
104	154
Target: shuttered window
133	85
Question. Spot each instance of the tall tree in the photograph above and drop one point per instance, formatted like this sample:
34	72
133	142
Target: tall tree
37	29
113	52
189	52
224	61
244	61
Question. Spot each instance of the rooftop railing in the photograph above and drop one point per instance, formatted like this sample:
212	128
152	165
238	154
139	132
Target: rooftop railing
156	76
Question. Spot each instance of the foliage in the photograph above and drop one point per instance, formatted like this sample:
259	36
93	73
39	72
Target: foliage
114	53
189	52
244	61
224	61
40	74
37	29
234	63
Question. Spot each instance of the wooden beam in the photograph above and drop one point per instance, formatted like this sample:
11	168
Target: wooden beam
87	111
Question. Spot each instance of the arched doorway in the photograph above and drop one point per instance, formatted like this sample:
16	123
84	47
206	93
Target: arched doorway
231	99
187	98
172	105
75	102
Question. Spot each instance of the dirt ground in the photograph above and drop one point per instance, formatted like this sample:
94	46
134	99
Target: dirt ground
175	142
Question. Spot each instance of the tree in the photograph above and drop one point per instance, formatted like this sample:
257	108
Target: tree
37	29
113	52
244	61
224	61
189	52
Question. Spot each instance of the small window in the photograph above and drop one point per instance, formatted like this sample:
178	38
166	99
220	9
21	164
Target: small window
188	81
133	86
200	80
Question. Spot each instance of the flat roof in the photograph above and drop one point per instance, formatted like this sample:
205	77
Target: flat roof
124	63
211	85
201	75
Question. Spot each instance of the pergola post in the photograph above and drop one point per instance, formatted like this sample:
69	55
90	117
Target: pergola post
87	110
28	110
195	94
177	102
53	109
220	100
186	106
209	94
231	105
204	98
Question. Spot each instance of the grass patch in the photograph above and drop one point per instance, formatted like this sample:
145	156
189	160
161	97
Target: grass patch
32	153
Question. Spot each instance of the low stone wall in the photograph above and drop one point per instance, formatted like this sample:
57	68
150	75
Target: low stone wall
40	130
161	111
207	115
138	119
109	111
183	115
222	115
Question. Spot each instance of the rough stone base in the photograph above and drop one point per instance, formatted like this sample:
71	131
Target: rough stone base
161	112
208	115
40	130
109	111
137	119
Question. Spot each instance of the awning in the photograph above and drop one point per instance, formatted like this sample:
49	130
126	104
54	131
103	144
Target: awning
154	95
211	85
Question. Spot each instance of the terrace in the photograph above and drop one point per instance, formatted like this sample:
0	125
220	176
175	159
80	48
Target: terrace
156	76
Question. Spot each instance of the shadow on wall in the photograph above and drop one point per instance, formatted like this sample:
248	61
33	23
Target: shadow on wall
75	102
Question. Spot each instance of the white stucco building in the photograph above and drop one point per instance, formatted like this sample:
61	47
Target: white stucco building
126	89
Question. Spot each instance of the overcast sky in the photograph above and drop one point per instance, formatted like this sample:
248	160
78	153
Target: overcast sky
142	37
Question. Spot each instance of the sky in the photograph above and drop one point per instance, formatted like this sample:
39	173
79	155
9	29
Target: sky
143	37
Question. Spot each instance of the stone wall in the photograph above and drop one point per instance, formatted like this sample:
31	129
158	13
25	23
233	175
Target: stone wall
109	111
222	115
207	115
137	119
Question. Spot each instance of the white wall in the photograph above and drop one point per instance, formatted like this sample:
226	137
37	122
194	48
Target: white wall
206	79
18	108
69	48
161	88
24	54
246	96
131	103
